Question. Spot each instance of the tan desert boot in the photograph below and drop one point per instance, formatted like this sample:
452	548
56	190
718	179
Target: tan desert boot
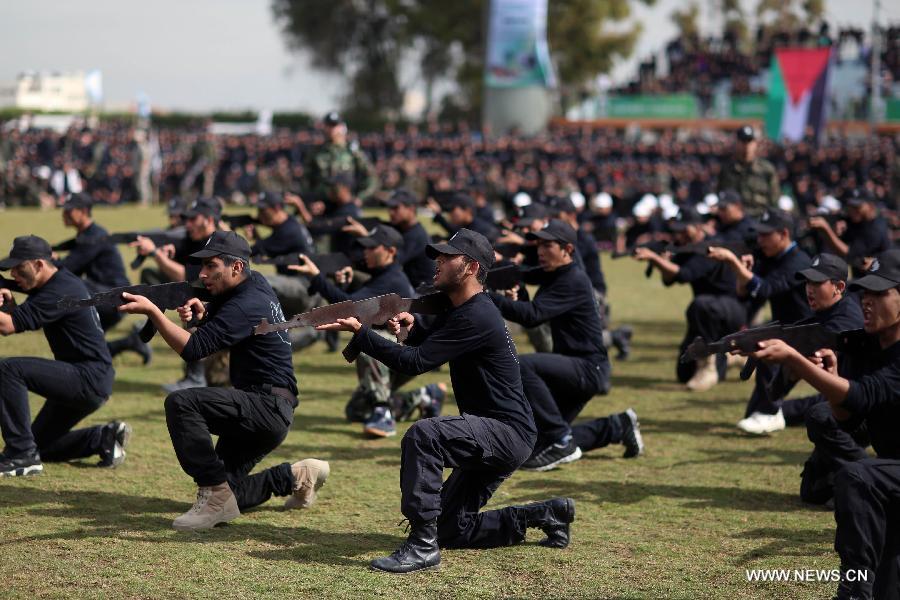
309	475
705	376
214	505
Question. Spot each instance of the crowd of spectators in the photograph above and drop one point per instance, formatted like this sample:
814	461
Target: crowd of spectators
698	64
111	161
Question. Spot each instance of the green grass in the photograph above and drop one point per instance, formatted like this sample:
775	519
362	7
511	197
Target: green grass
684	521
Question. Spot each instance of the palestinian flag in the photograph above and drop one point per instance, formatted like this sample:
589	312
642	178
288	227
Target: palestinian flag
798	92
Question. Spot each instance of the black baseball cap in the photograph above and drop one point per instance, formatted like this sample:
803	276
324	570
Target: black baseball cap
824	267
774	220
176	206
467	242
401	196
460	199
685	217
746	133
224	242
381	235
555	231
208	207
332	118
562	204
77	201
858	197
269	200
727	197
528	214
883	273
26	247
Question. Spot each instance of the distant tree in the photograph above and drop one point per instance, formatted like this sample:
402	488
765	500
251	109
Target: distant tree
369	41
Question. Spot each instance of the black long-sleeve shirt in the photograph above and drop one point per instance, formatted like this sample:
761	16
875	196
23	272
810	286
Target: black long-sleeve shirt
484	368
874	394
290	237
705	275
774	281
586	250
97	261
389	280
256	360
73	336
419	268
866	238
565	300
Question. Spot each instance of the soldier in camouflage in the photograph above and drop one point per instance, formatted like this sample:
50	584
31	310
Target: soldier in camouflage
337	157
754	178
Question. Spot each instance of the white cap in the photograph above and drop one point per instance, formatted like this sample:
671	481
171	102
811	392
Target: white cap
830	204
702	208
577	199
602	200
645	206
711	199
521	200
786	203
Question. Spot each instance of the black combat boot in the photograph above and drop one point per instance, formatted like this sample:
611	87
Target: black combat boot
419	552
553	518
851	589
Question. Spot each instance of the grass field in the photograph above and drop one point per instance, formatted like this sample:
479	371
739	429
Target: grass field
684	521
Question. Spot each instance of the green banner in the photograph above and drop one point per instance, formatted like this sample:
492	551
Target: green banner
892	110
748	107
672	106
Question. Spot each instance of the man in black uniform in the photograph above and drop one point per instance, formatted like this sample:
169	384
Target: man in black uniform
772	278
418	267
76	383
867	233
588	258
289	236
493	435
461	208
715	310
252	419
825	281
866	490
201	219
370	401
732	223
99	263
558	384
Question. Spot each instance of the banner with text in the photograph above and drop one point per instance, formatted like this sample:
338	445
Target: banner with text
517	51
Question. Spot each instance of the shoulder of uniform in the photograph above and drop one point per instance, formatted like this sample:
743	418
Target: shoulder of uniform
764	165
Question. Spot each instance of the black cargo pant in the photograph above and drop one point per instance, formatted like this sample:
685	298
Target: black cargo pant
557	388
711	318
249	423
867	511
70	398
837	444
483	453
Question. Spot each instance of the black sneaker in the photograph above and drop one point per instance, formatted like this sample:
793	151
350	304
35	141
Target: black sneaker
21	466
631	434
552	456
114	439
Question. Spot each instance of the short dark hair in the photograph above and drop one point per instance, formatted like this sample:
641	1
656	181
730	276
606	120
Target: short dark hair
481	275
230	259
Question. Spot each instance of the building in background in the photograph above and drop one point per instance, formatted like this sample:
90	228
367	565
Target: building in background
53	92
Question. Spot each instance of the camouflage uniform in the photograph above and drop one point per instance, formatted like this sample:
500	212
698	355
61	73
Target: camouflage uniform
330	160
756	182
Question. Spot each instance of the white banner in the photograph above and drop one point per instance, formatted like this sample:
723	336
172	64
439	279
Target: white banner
517	52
